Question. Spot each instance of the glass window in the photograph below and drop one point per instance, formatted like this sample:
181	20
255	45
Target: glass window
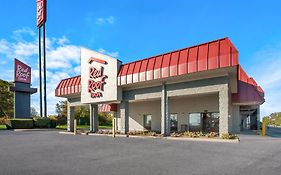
147	121
174	121
195	119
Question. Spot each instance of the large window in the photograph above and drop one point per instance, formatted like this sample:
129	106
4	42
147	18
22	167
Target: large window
195	123
194	119
174	121
147	121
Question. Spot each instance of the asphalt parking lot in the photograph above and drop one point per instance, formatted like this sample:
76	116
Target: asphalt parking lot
48	152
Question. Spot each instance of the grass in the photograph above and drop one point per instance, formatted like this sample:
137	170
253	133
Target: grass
82	127
3	127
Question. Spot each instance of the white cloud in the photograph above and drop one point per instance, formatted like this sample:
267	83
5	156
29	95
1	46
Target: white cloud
61	57
107	20
112	54
268	77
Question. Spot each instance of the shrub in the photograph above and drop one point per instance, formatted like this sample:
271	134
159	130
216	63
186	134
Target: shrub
229	136
41	122
52	121
174	134
19	123
212	134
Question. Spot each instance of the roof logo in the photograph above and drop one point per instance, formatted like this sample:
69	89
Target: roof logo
92	59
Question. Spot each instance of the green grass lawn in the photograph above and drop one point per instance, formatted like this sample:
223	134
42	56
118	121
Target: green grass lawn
3	127
83	127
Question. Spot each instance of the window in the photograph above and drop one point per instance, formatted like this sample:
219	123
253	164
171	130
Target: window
147	121
174	122
195	119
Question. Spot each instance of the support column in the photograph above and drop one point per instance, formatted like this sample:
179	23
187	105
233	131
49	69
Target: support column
94	119
224	110
124	115
165	117
70	118
258	118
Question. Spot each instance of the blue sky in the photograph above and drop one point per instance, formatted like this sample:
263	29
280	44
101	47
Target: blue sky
132	30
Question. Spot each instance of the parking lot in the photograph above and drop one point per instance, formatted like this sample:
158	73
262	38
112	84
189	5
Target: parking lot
48	152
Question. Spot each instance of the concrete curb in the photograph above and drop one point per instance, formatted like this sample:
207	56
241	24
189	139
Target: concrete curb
153	137
22	130
203	139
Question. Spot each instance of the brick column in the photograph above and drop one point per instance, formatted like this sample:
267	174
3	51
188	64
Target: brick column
94	119
165	117
124	115
70	118
224	110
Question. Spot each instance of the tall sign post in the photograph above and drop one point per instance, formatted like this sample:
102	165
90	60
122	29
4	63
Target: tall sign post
41	20
22	90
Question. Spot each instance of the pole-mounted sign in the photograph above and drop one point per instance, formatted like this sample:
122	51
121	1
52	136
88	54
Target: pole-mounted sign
41	20
41	12
22	72
22	90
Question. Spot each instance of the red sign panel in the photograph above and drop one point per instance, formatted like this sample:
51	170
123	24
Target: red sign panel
41	12
22	72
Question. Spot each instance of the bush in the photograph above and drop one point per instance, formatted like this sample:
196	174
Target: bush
19	123
229	136
41	122
53	121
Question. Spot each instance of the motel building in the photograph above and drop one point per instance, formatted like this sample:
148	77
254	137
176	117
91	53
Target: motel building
198	88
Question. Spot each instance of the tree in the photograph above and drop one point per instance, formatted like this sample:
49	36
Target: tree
6	99
61	108
33	112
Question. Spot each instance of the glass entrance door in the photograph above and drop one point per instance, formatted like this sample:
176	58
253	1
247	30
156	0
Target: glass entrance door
174	122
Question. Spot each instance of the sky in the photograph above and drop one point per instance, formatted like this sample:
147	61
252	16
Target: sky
131	30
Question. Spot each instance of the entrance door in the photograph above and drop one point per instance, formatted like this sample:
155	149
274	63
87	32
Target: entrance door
174	122
147	121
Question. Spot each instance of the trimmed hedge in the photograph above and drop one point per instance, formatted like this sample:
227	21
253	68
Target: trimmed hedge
36	122
41	122
19	123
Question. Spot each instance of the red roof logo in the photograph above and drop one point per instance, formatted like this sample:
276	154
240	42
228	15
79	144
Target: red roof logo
92	59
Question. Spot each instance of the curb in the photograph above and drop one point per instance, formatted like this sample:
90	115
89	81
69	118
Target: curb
22	130
203	140
153	137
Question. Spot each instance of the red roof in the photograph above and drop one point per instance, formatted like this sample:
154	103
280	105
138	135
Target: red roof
207	56
211	55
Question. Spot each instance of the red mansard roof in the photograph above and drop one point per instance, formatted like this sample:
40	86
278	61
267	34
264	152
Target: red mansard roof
207	56
211	55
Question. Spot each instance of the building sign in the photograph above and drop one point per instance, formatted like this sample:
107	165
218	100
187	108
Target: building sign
41	12
22	72
98	77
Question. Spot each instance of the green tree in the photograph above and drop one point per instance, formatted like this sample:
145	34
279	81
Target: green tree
33	112
61	108
6	99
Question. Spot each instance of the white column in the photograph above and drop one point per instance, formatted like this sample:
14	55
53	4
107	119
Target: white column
94	120
224	110
70	118
258	118
165	117
124	115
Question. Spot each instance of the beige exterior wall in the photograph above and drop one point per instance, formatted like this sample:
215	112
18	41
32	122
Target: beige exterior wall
182	106
138	109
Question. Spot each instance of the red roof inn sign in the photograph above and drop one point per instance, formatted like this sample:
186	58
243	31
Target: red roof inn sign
98	77
22	72
41	12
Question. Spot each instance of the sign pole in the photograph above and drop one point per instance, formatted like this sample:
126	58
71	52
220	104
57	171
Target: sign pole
44	55
40	71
